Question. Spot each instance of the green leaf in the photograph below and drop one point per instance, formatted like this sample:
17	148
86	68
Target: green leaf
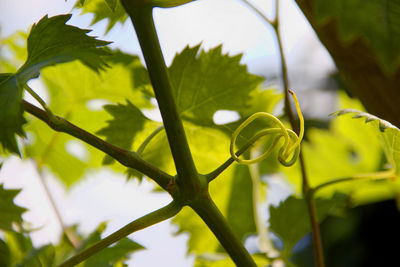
19	247
111	255
5	256
168	3
390	135
223	260
376	22
41	257
50	42
112	4
111	10
201	90
11	119
383	125
20	251
9	211
127	122
291	220
73	88
240	210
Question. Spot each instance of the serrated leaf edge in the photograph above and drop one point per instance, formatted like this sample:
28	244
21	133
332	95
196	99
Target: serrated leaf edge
383	124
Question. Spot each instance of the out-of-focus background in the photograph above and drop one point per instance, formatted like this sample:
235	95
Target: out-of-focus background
106	196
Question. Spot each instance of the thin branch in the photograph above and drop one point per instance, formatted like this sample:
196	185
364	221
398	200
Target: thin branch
256	10
316	235
38	99
148	139
126	158
214	174
71	236
150	219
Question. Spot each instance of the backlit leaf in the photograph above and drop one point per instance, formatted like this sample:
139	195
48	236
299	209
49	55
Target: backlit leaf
40	257
201	90
78	94
223	260
50	42
19	246
127	121
169	3
21	251
390	135
112	4
240	211
111	10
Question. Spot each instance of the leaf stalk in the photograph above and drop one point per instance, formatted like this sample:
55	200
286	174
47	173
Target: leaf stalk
126	158
384	175
143	222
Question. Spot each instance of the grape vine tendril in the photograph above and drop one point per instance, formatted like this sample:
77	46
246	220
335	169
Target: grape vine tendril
290	147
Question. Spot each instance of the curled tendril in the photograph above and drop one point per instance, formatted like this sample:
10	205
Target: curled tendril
290	149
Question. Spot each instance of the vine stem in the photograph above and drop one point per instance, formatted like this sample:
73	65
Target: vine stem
316	235
150	219
211	215
142	19
126	158
193	188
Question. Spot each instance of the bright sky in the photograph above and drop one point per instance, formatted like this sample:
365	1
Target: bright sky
210	22
104	197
